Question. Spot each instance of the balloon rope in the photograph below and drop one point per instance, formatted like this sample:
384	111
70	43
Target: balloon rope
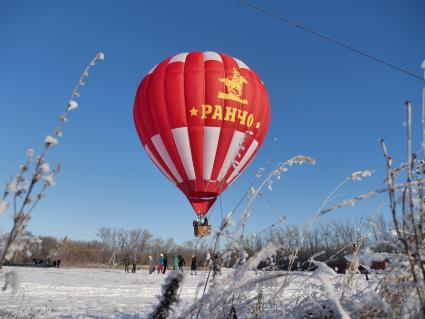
221	208
325	37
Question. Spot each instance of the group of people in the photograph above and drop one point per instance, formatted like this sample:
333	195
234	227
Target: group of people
178	263
161	267
46	262
200	221
127	263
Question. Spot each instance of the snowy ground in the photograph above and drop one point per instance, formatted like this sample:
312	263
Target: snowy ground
95	292
86	293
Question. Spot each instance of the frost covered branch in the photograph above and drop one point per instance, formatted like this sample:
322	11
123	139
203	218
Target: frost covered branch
36	172
169	295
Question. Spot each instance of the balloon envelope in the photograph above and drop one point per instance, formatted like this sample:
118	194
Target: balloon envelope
201	117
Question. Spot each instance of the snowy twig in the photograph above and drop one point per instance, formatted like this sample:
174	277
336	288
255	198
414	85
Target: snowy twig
22	188
169	295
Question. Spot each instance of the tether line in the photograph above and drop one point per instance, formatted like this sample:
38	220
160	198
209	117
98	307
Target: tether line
320	35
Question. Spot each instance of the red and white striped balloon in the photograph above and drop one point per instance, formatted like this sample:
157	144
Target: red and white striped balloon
201	117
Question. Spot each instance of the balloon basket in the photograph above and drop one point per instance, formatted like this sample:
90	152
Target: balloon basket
202	230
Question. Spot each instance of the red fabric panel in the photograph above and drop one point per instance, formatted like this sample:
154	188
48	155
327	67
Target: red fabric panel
175	94
194	89
213	71
227	127
160	115
141	102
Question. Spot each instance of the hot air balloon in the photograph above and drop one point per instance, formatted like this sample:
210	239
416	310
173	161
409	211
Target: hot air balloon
201	117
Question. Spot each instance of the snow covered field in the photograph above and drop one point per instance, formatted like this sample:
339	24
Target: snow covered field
86	293
107	293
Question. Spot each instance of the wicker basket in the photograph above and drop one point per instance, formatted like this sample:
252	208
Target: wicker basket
200	230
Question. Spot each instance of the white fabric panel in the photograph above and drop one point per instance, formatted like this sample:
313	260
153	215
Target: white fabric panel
233	150
178	58
209	55
245	158
159	145
241	64
158	164
181	139
153	69
211	137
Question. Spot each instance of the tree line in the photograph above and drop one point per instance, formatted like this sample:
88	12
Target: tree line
333	239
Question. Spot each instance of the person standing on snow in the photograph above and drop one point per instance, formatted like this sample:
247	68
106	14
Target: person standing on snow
216	265
175	263
165	264
181	263
151	265
193	265
134	261
126	263
364	271
161	264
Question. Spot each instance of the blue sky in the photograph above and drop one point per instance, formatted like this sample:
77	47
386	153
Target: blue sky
326	102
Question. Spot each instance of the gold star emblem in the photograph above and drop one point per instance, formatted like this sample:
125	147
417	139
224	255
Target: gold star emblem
258	125
193	112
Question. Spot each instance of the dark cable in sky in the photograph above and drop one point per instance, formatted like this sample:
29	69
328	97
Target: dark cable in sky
301	27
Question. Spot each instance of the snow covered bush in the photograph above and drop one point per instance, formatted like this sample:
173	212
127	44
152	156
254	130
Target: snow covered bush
396	291
28	186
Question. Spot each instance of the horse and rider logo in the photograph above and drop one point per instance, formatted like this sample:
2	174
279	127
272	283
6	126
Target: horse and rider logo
234	84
